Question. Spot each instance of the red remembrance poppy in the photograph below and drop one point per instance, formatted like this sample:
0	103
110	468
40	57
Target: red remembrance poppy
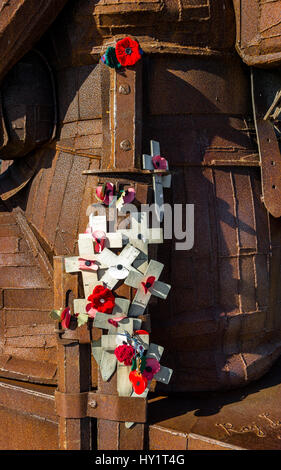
152	366
65	317
99	240
148	283
102	299
125	353
139	382
159	162
127	51
105	193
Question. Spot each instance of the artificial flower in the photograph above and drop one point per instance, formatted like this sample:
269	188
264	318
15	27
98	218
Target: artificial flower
127	51
159	162
148	283
65	318
138	381
105	193
152	366
99	240
101	300
125	353
87	264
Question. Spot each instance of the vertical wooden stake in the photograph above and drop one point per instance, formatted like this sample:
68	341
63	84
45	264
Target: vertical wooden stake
74	369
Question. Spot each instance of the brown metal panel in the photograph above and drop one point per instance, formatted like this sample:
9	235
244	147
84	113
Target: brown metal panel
70	209
161	438
258	31
26	432
19	34
199	88
196	442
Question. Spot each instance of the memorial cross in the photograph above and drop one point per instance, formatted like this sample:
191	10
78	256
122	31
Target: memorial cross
159	181
147	285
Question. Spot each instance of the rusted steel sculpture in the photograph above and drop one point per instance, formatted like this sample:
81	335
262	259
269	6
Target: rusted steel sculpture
195	93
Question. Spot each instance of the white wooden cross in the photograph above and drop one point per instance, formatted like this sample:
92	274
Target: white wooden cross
141	299
164	375
159	181
120	309
86	251
140	236
109	361
103	349
119	266
98	222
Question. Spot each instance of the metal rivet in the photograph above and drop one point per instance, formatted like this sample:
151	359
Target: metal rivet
125	145
93	404
124	89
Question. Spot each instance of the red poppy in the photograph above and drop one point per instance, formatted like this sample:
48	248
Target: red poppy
105	193
127	51
152	366
141	332
148	283
65	317
99	240
139	382
87	264
159	163
102	300
125	353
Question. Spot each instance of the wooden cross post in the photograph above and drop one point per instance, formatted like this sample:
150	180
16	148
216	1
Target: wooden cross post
164	375
119	265
140	236
144	292
159	181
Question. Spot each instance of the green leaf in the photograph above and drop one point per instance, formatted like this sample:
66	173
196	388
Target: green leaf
56	314
82	319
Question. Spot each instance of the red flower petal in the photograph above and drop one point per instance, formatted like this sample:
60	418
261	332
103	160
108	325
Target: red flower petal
125	353
141	332
65	317
160	163
152	366
102	299
127	52
148	283
139	382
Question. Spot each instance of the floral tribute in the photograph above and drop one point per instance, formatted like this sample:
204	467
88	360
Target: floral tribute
107	195
63	316
126	53
126	346
101	300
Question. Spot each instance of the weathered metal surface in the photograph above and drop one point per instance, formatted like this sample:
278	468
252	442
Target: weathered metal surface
268	144
29	113
258	31
247	418
22	23
28	411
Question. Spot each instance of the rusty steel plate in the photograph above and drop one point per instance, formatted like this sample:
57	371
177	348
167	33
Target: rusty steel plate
258	31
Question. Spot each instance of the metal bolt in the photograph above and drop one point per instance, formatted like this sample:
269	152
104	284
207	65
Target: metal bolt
93	404
125	145
124	89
